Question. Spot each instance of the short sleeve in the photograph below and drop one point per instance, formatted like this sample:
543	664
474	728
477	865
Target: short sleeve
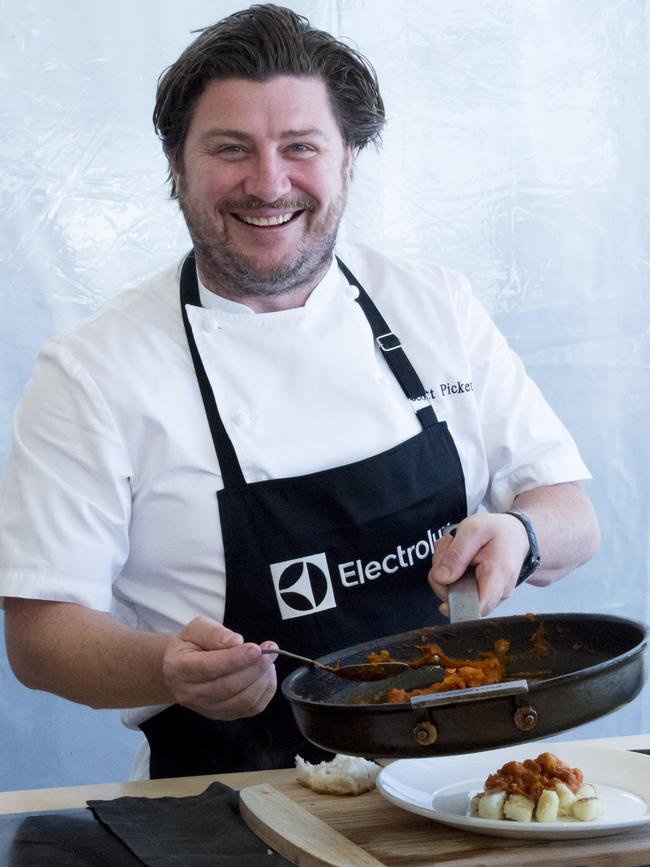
525	442
65	497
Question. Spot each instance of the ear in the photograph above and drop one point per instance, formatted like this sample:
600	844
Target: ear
175	169
348	160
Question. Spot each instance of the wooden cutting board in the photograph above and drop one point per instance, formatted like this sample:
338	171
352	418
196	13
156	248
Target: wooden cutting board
296	834
389	835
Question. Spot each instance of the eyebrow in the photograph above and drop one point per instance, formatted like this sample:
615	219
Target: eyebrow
244	136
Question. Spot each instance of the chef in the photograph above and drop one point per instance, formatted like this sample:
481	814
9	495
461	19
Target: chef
262	446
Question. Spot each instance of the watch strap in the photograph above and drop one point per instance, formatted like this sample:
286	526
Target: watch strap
532	561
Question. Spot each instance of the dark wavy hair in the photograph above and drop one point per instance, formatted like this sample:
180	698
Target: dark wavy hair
258	43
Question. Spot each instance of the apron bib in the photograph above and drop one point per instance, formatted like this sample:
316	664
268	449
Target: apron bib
316	562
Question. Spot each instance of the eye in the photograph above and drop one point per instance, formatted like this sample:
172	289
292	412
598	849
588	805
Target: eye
300	149
228	151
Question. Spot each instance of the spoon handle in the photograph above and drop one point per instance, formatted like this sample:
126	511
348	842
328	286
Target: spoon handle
292	655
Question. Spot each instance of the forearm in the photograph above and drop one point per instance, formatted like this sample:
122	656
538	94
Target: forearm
496	544
84	655
566	527
89	657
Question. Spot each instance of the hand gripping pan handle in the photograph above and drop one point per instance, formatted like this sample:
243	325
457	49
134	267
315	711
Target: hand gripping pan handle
463	598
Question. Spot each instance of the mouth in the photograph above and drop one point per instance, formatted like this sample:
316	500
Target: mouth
265	222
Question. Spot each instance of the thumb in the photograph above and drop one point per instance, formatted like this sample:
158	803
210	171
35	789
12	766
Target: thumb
209	634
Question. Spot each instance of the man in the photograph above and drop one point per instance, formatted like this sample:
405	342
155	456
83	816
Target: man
263	446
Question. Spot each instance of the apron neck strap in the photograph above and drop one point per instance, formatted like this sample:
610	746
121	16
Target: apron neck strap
228	463
388	342
391	347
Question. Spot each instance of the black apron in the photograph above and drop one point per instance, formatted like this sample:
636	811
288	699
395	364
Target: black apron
317	562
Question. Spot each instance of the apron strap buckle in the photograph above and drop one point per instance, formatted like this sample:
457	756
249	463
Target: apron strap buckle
388	342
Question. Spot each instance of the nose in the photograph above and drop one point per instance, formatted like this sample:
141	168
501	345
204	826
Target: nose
268	178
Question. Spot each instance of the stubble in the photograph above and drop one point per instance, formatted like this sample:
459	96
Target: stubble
226	269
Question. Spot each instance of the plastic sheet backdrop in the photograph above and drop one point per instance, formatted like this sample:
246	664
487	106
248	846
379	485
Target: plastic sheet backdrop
517	150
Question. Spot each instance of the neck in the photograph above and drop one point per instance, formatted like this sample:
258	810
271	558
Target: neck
274	301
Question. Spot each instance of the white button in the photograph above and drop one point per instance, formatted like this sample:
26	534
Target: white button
383	380
241	418
211	325
353	291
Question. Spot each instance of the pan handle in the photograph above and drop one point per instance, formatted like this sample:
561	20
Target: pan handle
477	693
462	595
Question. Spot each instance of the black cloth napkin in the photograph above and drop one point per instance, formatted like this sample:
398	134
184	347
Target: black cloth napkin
61	838
203	830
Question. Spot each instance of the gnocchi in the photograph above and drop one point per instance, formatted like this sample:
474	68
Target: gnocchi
544	789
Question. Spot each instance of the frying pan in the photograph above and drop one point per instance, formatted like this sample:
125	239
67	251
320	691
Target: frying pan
595	664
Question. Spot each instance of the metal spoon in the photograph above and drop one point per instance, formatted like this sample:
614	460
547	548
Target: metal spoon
360	671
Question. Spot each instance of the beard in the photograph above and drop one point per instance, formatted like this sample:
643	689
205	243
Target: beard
223	264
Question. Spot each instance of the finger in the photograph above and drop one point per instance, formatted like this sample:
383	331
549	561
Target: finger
493	585
490	586
439	550
440	590
254	700
209	634
440	547
269	645
221	699
242	660
455	555
193	689
240	708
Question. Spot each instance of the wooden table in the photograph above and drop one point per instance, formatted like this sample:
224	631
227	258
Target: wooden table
391	835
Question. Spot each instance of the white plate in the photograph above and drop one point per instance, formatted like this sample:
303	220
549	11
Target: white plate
441	788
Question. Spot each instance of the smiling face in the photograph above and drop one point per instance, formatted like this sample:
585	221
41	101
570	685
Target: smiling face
262	183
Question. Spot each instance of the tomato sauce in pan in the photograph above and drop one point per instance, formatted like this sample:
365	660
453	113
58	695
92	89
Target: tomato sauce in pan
488	667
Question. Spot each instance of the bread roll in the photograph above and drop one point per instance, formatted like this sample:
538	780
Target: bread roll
343	775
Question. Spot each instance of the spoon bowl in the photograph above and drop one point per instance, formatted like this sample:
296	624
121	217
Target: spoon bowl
362	671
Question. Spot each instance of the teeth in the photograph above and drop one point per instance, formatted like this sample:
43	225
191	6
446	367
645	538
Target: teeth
266	221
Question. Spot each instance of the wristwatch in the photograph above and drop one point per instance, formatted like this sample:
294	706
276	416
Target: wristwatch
532	561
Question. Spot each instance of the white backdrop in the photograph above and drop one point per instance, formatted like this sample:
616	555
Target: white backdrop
517	150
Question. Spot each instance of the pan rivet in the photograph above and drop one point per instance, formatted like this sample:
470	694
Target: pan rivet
526	718
425	733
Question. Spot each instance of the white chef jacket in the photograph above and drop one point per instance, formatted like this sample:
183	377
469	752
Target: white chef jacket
109	494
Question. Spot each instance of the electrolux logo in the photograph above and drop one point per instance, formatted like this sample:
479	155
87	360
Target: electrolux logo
303	586
357	572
